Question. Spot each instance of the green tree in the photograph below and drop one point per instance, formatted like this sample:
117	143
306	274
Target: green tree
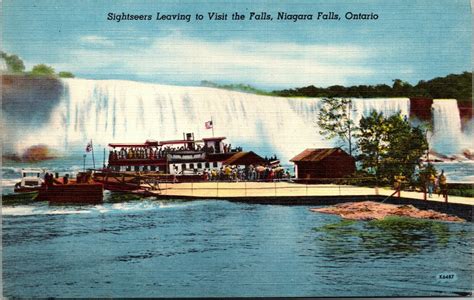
372	142
42	70
14	63
65	75
407	145
334	120
390	146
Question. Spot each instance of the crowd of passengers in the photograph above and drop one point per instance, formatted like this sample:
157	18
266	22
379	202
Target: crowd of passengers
247	173
161	152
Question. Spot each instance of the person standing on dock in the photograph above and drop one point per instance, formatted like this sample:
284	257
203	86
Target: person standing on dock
431	184
443	186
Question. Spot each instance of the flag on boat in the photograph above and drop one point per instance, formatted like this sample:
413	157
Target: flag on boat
208	124
89	147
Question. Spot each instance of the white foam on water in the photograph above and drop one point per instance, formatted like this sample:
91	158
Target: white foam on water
26	210
131	206
168	205
18	210
134	206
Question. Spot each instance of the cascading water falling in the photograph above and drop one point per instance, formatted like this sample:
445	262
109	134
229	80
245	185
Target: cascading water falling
108	111
446	134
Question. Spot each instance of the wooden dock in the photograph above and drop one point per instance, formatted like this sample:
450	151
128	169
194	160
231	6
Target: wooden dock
226	190
308	194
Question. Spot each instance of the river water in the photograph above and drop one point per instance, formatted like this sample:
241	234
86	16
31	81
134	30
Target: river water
154	248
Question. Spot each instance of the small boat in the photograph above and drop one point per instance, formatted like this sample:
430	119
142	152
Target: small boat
81	190
31	180
72	193
33	187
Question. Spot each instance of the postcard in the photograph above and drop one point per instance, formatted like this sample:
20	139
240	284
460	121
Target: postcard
236	148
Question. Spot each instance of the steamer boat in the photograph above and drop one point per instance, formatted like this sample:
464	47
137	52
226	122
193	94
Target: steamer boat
136	166
175	157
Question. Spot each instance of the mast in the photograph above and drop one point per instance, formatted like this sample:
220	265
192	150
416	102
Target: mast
212	126
93	158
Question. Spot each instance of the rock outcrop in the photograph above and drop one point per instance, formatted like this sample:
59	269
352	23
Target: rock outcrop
369	210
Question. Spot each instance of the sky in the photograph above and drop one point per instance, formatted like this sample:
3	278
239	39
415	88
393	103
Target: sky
411	40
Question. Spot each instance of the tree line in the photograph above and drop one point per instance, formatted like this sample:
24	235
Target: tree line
15	66
457	86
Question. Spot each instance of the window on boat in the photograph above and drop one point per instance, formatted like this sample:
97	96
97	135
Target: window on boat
137	168
207	165
214	164
153	168
183	167
129	168
199	166
145	168
191	166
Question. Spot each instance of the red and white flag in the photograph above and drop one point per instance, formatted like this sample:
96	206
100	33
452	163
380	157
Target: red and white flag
208	124
89	147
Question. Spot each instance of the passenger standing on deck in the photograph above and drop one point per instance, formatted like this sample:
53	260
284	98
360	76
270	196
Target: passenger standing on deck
66	179
227	171
47	178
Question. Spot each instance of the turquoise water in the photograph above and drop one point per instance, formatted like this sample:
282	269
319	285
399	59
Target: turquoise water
154	248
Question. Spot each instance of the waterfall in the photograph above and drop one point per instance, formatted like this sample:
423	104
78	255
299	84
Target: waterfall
446	133
3	65
108	111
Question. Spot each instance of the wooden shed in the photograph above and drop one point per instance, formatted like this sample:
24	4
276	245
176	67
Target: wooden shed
323	165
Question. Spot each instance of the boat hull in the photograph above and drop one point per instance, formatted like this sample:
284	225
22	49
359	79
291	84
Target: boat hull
20	198
75	193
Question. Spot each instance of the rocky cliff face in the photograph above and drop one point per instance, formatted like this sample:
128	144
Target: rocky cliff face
465	110
421	108
30	99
